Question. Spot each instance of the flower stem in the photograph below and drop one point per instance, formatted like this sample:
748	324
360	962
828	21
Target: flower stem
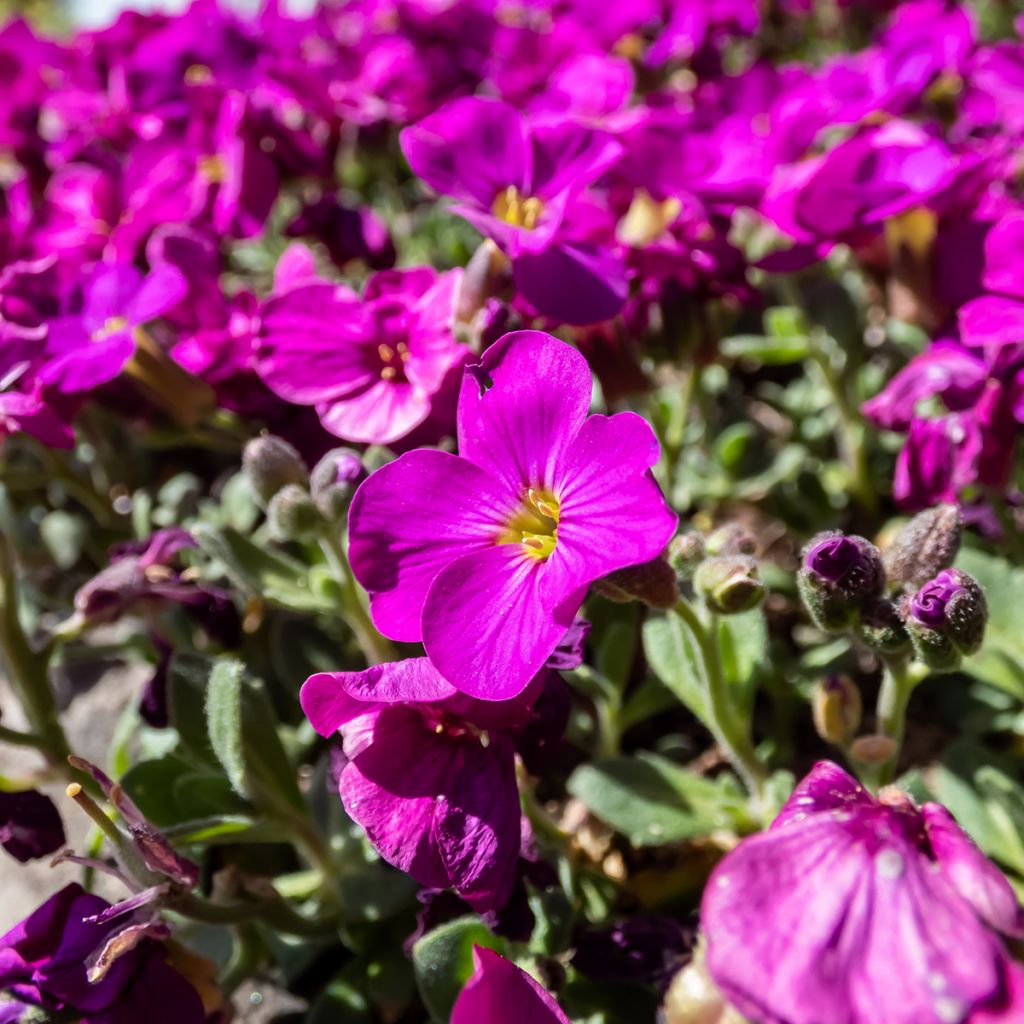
732	736
898	683
376	648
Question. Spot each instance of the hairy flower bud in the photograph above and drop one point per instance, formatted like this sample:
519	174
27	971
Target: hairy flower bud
693	998
652	582
686	552
840	575
837	708
881	627
271	463
924	547
729	584
946	619
293	515
334	480
731	539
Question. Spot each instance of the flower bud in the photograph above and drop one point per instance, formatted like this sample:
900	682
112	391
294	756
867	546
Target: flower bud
334	480
881	627
685	553
271	463
693	998
652	582
924	547
731	539
946	619
836	706
729	584
293	515
840	575
874	749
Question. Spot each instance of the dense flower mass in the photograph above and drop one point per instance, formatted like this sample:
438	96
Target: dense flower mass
603	408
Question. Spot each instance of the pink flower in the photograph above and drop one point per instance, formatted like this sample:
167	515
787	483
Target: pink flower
501	993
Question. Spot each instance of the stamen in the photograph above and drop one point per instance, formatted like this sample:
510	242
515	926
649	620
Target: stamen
388	373
386	353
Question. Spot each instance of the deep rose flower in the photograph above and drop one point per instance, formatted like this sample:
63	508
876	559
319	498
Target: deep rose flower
486	556
516	181
430	773
375	368
501	993
855	910
92	348
30	826
45	961
28	414
997	320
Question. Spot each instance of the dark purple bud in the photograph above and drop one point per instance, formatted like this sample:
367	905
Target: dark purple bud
646	950
569	652
271	463
840	576
946	619
924	547
653	583
30	825
334	480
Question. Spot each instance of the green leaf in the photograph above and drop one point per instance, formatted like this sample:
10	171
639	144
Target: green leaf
653	801
675	660
235	828
774	351
1001	658
443	962
64	536
742	646
187	678
268	575
224	720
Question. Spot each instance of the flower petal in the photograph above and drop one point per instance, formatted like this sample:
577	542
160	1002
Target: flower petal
501	993
519	427
412	518
383	413
826	787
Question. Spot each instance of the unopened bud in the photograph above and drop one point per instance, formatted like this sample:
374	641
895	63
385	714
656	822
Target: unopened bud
924	547
731	539
334	480
693	998
686	552
293	515
875	749
836	706
729	584
840	575
271	463
946	619
653	583
881	627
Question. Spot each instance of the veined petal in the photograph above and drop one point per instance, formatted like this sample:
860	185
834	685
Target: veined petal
825	788
487	626
519	427
412	518
386	411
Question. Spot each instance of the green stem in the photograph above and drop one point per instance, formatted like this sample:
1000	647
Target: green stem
276	913
898	683
27	670
731	735
247	956
376	648
21	739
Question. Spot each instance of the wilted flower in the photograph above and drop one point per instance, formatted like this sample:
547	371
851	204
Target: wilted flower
501	993
486	556
853	910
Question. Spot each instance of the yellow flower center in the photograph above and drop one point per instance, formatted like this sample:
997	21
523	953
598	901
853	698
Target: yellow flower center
112	325
647	220
392	360
519	211
534	525
212	169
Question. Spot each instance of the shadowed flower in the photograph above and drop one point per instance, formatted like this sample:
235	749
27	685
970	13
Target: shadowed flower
30	826
501	993
486	556
430	773
855	910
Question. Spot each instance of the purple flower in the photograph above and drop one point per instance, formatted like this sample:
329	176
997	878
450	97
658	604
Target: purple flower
996	320
430	773
501	993
45	961
27	414
929	605
517	181
854	910
376	368
486	556
94	346
30	826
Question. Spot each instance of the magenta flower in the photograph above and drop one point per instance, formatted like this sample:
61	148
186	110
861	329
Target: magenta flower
501	993
46	960
28	414
486	556
517	180
374	368
92	347
430	773
855	910
996	320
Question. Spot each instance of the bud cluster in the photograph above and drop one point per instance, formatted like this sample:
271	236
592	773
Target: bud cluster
300	504
908	598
